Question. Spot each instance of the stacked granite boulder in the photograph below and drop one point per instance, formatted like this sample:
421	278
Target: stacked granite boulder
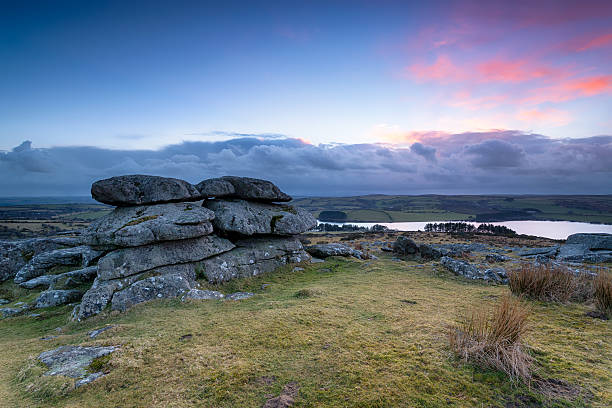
159	239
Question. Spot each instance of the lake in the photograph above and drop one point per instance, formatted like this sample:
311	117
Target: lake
547	229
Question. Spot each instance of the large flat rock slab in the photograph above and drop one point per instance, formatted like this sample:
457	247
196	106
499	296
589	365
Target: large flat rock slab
251	218
141	225
42	263
141	189
242	187
72	361
592	241
130	261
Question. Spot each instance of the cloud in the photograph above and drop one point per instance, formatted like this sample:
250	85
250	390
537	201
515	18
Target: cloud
476	162
551	116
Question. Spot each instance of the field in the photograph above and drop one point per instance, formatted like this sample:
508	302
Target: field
383	208
350	333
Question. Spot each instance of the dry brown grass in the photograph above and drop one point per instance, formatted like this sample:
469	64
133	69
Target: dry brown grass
602	292
553	283
493	338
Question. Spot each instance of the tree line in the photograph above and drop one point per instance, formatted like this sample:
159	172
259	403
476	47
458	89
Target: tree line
466	228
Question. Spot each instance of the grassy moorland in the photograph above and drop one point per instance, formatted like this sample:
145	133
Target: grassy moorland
397	208
350	333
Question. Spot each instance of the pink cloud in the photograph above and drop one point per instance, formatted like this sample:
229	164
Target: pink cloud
443	70
571	89
554	117
499	70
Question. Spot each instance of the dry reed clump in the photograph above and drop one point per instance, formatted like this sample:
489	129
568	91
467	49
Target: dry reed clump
602	292
493	338
554	283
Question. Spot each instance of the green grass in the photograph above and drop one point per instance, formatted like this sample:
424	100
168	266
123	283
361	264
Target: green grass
351	333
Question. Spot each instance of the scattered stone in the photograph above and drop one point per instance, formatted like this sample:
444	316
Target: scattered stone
50	298
141	225
298	269
410	302
409	249
46	338
10	311
316	260
197	294
470	271
239	296
72	361
249	218
185	337
334	249
95	333
142	189
494	258
4	301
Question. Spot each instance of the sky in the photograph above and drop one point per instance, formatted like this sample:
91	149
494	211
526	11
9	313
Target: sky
324	98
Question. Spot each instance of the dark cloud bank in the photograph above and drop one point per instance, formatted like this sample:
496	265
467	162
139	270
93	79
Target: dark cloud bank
475	163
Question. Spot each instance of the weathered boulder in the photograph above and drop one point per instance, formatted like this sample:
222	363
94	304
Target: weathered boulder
11	311
250	218
407	248
50	298
72	361
142	189
42	263
252	257
334	249
216	187
155	287
141	225
130	261
592	241
95	333
243	187
99	296
239	296
545	251
198	294
470	271
15	254
64	280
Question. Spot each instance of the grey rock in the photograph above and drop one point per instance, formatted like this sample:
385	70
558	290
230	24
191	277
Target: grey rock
407	248
64	280
95	333
90	378
253	257
316	260
50	298
334	249
250	218
197	294
42	263
4	301
11	311
592	241
141	225
142	189
216	187
72	361
156	287
15	254
130	261
494	258
239	296
249	189
470	271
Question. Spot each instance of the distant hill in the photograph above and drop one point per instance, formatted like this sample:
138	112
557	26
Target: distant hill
479	208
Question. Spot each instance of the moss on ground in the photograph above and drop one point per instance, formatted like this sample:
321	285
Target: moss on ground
353	341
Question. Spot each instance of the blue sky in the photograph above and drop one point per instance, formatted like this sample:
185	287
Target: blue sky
146	75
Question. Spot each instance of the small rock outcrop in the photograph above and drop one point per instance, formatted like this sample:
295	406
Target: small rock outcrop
334	249
466	269
586	247
73	362
158	240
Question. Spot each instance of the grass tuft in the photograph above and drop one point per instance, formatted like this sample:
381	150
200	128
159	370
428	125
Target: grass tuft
602	292
494	338
552	283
